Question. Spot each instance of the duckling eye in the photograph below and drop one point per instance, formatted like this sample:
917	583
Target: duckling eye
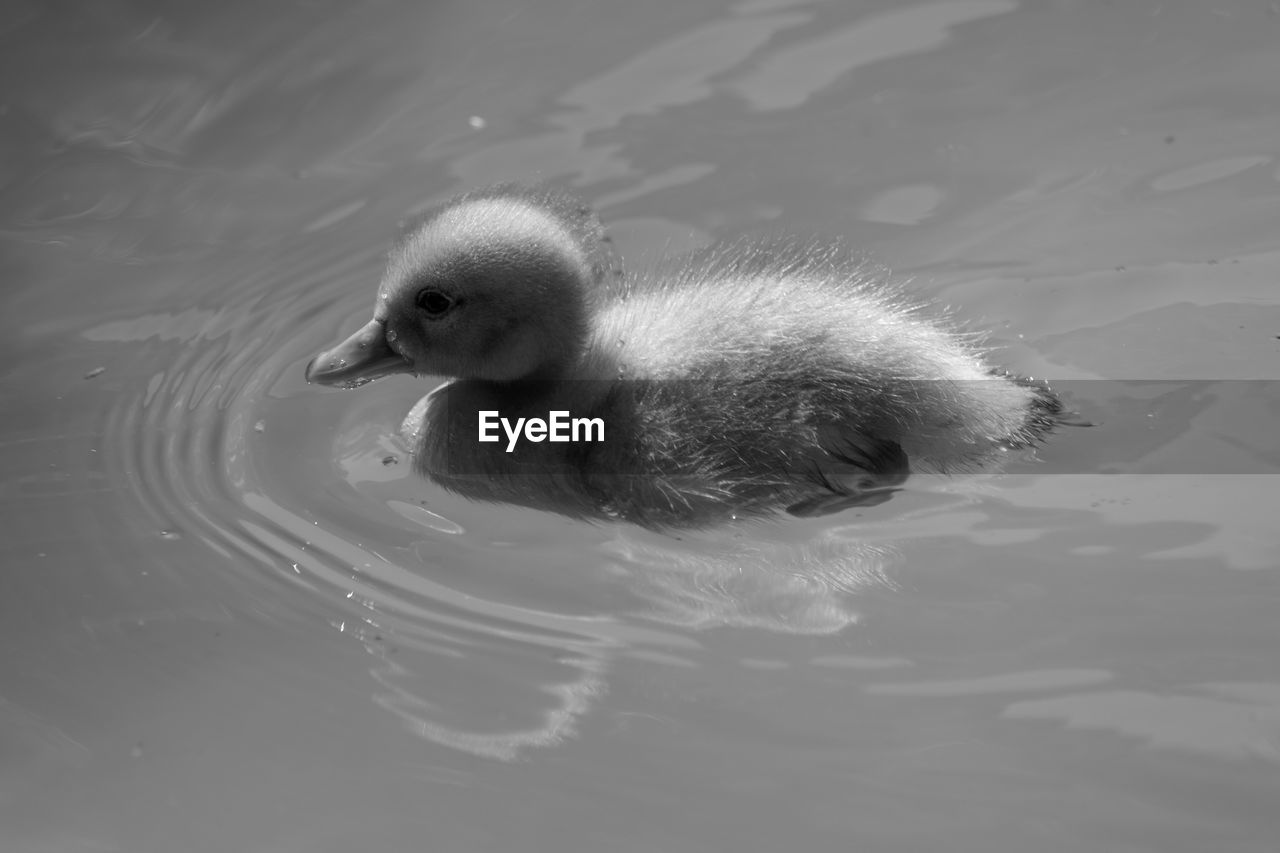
434	302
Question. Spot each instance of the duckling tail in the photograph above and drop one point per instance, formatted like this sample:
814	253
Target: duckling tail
1046	411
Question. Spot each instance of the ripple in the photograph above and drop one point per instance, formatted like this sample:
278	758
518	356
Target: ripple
425	517
210	449
487	629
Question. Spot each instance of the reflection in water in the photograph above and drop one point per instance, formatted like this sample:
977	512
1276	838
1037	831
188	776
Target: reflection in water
406	699
751	581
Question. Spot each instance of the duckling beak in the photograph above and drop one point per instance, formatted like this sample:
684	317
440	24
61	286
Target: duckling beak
361	358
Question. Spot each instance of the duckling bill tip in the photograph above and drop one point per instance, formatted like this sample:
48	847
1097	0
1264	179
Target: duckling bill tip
362	357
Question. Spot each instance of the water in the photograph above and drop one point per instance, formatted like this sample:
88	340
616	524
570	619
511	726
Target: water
234	620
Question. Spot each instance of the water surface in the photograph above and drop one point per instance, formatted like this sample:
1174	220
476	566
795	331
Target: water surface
233	619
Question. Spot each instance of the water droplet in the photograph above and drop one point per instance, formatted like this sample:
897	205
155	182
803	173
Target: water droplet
391	336
260	426
170	535
97	371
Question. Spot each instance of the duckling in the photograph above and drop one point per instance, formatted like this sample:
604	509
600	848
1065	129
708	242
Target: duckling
746	379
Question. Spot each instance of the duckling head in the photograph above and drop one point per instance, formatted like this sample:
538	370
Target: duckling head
495	286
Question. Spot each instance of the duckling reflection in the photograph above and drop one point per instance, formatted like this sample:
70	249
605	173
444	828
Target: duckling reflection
737	382
805	587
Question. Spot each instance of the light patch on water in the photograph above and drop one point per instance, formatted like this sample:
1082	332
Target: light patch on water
765	664
798	72
859	662
674	72
1203	173
1226	720
908	205
335	216
425	517
1229	518
1011	682
756	7
675	176
651	656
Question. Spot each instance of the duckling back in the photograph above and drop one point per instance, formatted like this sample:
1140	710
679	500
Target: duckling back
802	334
